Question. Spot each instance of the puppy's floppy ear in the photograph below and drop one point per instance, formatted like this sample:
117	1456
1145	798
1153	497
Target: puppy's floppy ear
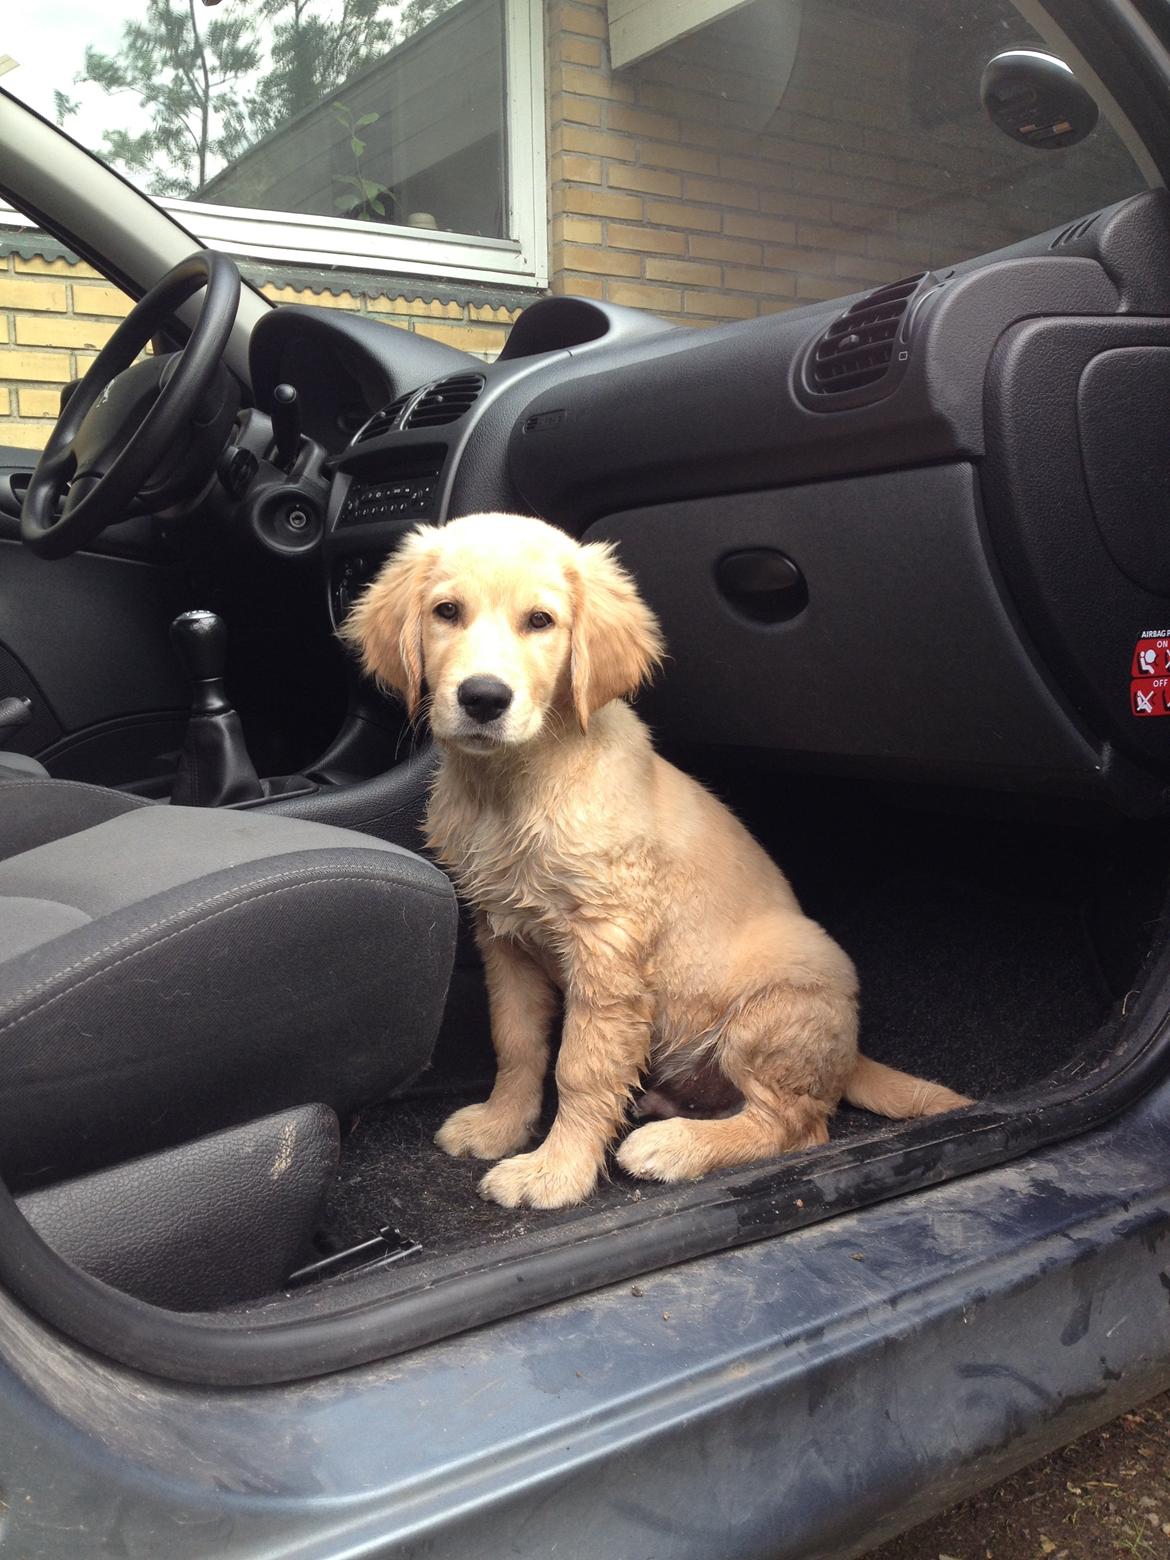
385	625
616	640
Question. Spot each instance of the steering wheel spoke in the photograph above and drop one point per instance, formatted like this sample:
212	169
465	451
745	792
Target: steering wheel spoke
125	420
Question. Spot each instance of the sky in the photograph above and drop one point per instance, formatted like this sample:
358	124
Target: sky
48	39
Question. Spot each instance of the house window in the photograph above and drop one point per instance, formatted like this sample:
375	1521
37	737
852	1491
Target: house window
351	133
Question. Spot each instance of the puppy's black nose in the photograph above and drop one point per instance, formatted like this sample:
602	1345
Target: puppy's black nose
484	698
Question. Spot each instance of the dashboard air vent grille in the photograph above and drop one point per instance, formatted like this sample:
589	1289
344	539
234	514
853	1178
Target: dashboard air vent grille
857	350
445	401
389	418
1069	235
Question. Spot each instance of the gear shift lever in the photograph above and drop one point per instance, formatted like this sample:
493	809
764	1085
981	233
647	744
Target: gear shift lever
214	767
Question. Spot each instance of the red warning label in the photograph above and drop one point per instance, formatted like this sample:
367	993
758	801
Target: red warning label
1149	673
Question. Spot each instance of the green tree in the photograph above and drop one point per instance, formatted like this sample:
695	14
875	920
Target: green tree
312	54
185	76
213	87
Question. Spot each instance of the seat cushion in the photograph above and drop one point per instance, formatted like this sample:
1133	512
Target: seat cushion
34	810
171	971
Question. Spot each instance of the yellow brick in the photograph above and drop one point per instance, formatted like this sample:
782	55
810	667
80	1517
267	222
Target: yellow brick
432	308
5	409
569	165
721	306
598	203
814	262
783	203
579	286
480	339
819	288
643	122
50	330
848	240
39	403
723	192
739	224
3	327
603	262
580	51
100	300
46	366
579	110
776	284
576	230
82	363
37	265
667	214
497	315
576	19
651	181
590	83
685	272
661	154
597	143
25	436
637	295
650	240
739	251
32	294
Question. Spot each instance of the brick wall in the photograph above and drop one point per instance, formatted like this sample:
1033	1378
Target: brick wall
55	313
678	185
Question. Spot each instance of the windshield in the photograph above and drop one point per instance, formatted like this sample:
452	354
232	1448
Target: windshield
438	163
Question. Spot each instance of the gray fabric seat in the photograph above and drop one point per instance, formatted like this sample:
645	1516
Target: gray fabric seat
167	971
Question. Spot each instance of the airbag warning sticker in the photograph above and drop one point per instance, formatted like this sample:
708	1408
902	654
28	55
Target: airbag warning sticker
1149	687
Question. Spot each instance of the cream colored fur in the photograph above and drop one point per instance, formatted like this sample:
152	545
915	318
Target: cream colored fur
599	870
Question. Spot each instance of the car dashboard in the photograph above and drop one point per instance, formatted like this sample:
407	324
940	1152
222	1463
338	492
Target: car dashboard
912	533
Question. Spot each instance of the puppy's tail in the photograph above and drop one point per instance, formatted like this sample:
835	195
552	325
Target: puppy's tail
887	1092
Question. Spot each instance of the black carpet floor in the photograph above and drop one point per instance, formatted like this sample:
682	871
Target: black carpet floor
982	964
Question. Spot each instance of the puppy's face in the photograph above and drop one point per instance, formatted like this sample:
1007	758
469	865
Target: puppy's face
496	641
509	623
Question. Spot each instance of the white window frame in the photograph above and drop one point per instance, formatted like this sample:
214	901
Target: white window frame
521	260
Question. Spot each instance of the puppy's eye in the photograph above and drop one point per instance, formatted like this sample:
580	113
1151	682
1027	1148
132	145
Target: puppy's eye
448	611
540	620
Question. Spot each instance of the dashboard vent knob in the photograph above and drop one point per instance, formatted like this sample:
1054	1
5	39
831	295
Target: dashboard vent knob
385	421
863	346
446	401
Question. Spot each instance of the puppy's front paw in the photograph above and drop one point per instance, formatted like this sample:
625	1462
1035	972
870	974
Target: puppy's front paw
664	1151
479	1132
539	1180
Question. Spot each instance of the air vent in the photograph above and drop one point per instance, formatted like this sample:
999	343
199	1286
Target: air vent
385	421
859	348
445	401
1071	234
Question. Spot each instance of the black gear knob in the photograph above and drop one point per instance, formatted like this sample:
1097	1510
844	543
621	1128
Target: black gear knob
214	767
200	639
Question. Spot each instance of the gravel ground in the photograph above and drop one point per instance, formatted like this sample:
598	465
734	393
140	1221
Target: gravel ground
1104	1495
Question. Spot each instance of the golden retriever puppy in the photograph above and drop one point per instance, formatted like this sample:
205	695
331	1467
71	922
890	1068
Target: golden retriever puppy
598	869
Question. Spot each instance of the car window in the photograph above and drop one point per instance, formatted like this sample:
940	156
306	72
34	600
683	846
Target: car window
706	162
794	150
56	312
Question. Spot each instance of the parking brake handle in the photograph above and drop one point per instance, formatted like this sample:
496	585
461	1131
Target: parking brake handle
214	767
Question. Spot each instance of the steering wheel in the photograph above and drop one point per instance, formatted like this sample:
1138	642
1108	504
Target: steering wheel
130	431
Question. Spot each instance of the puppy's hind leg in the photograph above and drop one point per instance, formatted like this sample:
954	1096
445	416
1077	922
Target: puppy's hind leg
788	1049
522	1003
